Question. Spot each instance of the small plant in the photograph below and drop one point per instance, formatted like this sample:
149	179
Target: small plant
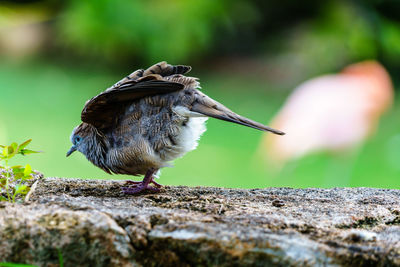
13	179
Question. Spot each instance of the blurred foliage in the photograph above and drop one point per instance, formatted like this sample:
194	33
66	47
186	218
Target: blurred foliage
341	32
317	36
390	38
149	30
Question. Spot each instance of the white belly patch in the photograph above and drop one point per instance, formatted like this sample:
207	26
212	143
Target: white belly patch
190	133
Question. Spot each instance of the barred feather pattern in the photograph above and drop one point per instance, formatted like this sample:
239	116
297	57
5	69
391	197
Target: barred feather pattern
148	119
151	134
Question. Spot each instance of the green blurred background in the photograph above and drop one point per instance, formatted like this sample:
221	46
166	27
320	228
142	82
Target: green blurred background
249	54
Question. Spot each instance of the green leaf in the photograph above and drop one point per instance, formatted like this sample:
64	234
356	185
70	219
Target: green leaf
19	171
19	175
24	144
5	151
21	189
14	146
3	199
16	167
12	150
28	170
28	151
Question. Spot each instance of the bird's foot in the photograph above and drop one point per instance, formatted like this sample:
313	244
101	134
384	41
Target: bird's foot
138	183
139	187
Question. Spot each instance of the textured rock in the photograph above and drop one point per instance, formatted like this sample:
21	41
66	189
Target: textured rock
91	223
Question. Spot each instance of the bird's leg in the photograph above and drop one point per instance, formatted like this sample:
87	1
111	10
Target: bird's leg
143	185
139	182
151	182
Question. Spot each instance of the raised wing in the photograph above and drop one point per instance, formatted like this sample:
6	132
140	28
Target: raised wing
101	109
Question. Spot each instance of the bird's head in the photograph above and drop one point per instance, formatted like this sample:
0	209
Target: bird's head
80	138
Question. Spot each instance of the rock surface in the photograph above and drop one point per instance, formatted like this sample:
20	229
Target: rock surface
91	223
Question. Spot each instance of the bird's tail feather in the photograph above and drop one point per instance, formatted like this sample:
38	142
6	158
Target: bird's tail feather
165	69
216	110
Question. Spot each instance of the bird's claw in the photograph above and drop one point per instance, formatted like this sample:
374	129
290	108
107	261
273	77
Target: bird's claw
138	188
136	183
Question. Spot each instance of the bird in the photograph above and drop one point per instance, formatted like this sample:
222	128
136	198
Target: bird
145	121
333	113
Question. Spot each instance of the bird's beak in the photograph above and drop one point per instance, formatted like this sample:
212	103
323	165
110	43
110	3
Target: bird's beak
71	150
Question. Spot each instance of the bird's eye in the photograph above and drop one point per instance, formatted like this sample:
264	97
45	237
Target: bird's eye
77	139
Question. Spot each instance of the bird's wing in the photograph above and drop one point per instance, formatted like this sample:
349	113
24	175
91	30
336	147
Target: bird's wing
100	110
162	69
211	108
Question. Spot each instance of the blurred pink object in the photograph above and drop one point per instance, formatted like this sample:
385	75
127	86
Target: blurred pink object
331	112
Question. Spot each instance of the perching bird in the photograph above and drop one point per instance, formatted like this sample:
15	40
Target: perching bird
331	113
146	120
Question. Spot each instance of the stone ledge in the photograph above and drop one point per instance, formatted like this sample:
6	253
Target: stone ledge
91	223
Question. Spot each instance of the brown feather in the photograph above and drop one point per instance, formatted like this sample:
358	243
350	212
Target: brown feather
209	107
188	82
100	111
